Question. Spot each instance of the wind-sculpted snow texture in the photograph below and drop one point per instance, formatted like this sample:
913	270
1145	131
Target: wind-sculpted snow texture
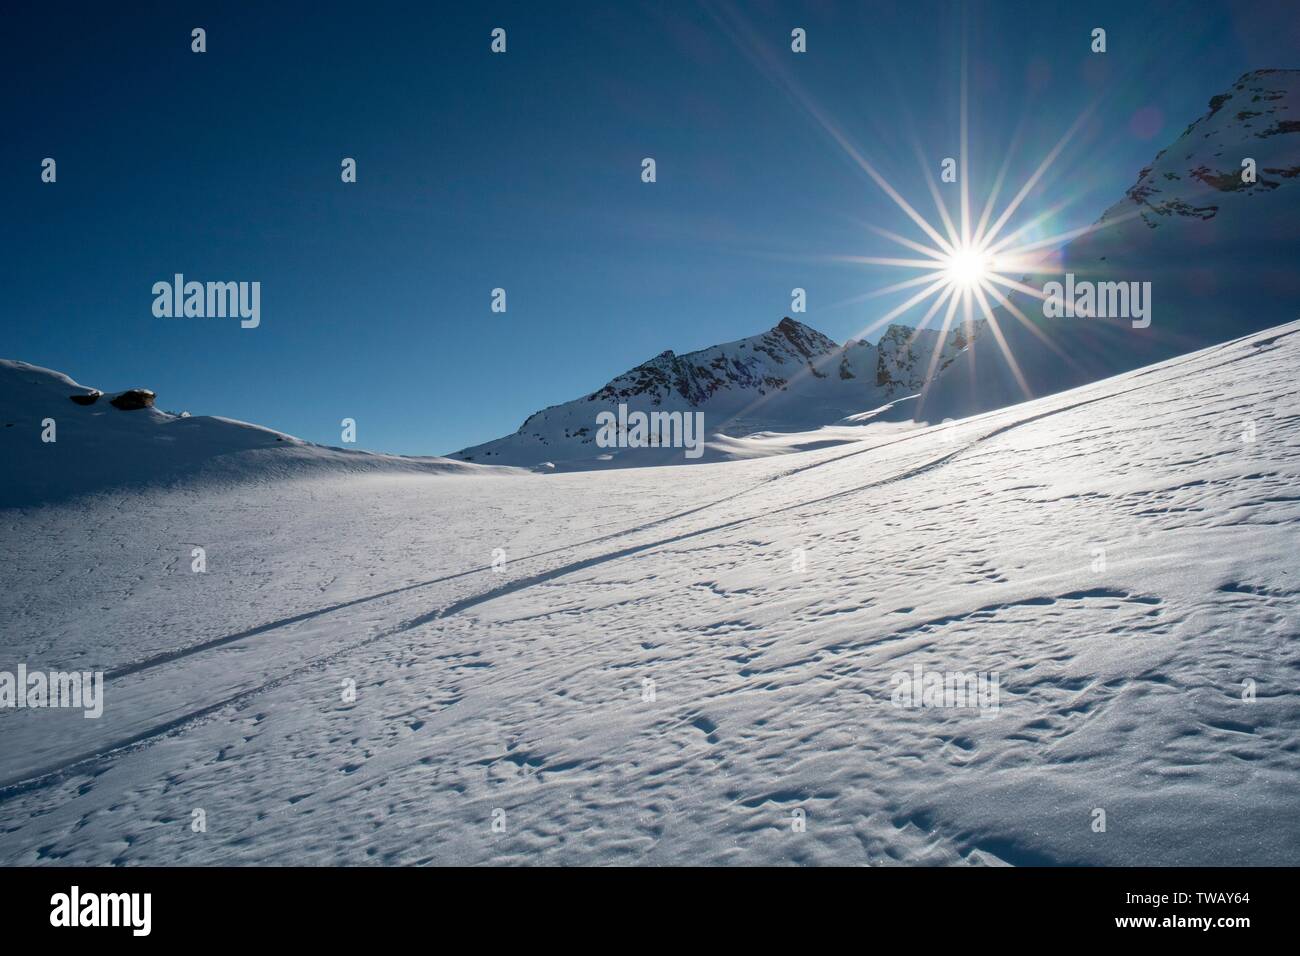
1122	555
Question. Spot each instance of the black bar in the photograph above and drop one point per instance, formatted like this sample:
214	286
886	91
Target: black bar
331	906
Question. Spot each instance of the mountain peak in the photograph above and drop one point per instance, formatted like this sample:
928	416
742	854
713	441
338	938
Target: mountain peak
804	339
789	378
789	325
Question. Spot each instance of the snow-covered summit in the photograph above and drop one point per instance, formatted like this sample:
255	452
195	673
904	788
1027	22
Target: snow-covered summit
789	378
1253	121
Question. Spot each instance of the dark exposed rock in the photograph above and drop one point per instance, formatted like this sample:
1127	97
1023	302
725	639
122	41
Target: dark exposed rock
133	399
1283	126
90	398
1228	182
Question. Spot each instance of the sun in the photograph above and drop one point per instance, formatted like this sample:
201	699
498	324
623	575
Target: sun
968	268
969	262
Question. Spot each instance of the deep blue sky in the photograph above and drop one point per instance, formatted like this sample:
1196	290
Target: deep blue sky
523	171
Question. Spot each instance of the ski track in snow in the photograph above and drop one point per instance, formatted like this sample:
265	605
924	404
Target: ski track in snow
969	547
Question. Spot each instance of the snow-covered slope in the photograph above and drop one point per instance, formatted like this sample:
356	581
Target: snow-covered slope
667	665
789	379
98	445
1221	256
